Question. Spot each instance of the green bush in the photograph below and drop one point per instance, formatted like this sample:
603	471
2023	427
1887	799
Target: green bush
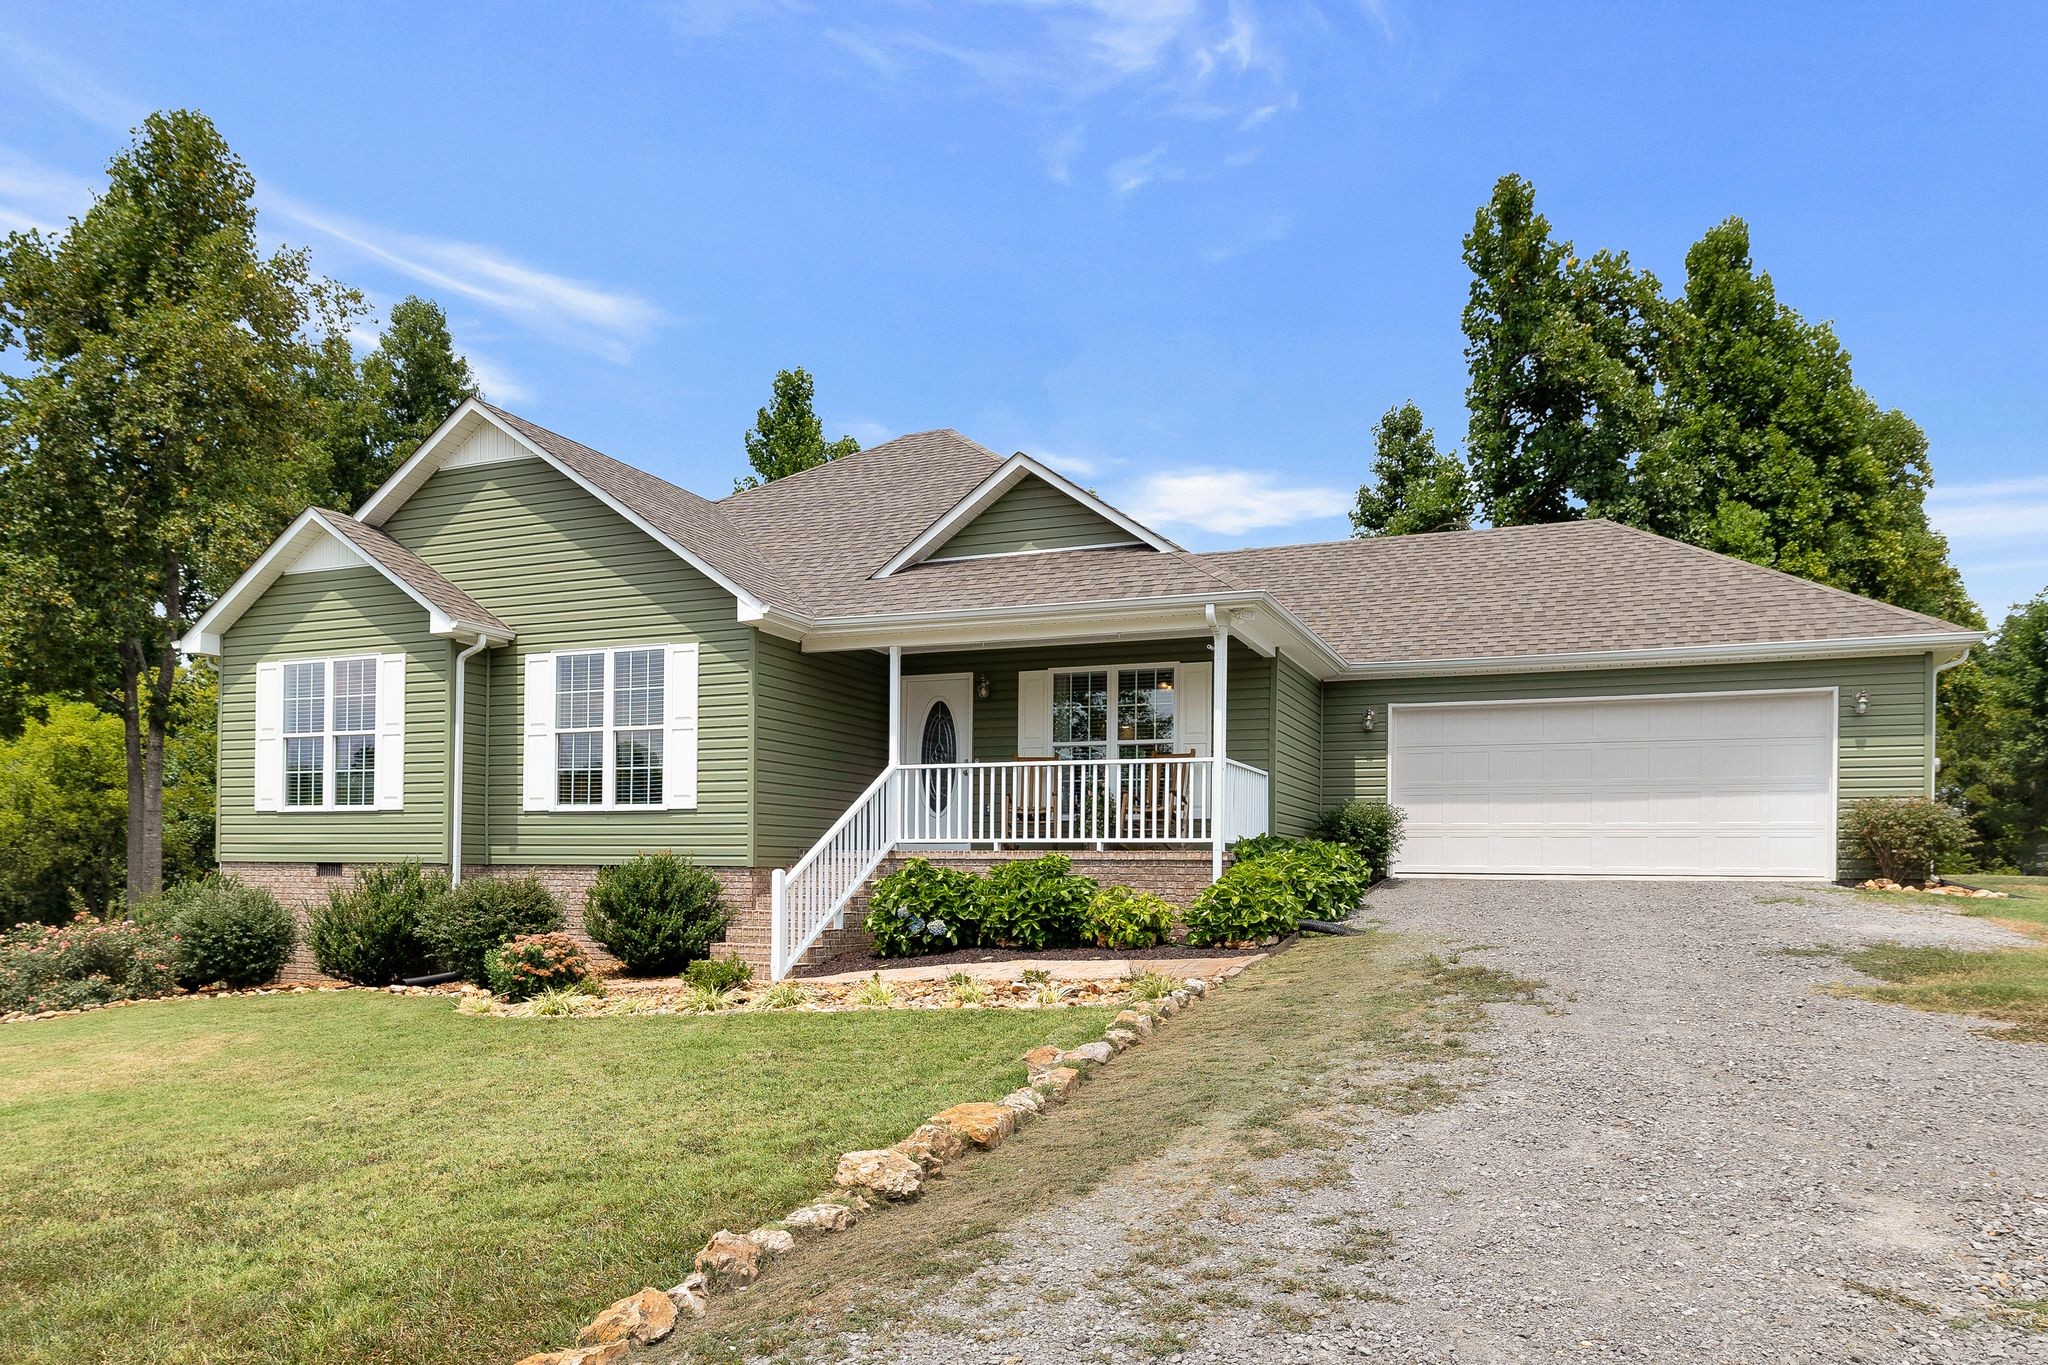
82	963
656	913
1253	900
924	908
1373	828
1035	903
1330	879
531	963
226	933
719	973
1906	836
481	913
1259	845
1119	917
369	933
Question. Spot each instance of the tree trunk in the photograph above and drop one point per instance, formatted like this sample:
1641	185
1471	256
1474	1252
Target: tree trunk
131	733
156	715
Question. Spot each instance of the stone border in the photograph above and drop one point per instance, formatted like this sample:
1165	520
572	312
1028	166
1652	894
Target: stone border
731	1261
1931	889
182	995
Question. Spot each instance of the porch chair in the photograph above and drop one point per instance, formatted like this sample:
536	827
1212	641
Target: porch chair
1154	798
1031	799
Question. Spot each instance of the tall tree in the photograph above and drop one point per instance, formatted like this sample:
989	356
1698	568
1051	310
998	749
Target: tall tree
787	437
1995	754
369	420
154	444
1414	486
1562	354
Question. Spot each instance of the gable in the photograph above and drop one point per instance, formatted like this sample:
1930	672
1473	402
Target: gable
1032	515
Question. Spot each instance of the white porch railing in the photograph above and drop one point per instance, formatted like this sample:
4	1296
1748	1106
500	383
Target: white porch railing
1246	804
809	896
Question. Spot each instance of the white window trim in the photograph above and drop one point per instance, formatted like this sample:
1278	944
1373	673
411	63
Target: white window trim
328	737
608	732
1116	672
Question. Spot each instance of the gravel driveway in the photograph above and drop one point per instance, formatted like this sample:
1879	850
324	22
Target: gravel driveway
1688	1154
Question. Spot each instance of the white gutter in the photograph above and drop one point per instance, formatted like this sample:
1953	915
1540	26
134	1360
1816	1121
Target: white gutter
455	776
1934	720
1677	654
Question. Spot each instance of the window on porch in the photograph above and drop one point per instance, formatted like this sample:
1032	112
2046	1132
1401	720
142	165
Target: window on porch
1144	711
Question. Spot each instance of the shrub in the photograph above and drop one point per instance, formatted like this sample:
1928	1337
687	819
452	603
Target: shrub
1907	836
226	933
460	928
1150	985
784	995
875	993
1373	828
532	963
1259	845
369	933
1252	900
963	989
924	908
1119	917
1035	903
719	973
85	962
1330	879
656	913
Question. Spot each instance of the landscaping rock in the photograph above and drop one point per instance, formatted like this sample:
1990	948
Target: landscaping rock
1120	1038
691	1296
1041	1059
1134	1020
1088	1054
887	1172
606	1354
729	1258
932	1146
1197	987
772	1241
1060	1081
984	1125
643	1319
1025	1101
826	1217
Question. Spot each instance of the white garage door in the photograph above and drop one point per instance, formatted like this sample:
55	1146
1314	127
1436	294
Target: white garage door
1737	785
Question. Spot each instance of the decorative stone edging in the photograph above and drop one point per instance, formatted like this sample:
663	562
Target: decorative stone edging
1929	889
731	1261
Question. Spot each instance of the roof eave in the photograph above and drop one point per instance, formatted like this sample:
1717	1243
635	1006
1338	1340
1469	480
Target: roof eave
1942	644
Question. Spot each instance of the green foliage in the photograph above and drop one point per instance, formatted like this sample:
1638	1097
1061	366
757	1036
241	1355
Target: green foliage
1035	903
190	750
924	908
655	913
461	927
226	933
1414	486
719	973
1907	836
1151	985
531	963
1259	845
784	995
369	932
63	804
1330	879
1372	829
1994	746
368	419
787	437
1252	901
1119	917
876	994
84	962
963	989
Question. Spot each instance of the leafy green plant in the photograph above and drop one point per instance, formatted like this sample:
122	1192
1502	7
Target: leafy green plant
226	933
1251	901
656	913
704	997
369	932
1035	903
462	927
1150	985
1046	995
1907	836
1035	976
875	993
1330	878
1372	828
1119	917
784	995
924	908
531	963
83	963
1259	845
560	1002
965	990
719	973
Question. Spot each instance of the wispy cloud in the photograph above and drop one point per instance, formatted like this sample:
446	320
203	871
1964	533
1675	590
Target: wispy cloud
1061	151
1133	173
1994	534
863	429
1231	501
69	87
36	196
1274	228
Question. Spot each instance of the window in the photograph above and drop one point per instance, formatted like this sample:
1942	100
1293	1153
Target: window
1080	715
330	733
609	710
1144	714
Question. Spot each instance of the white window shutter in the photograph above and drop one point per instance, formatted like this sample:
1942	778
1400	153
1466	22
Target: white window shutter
1191	716
679	749
390	794
1034	713
269	736
538	771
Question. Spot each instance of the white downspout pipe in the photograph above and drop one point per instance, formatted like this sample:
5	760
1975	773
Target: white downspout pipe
1219	713
455	777
1934	720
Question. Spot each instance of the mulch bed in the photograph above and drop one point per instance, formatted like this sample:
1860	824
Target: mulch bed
869	962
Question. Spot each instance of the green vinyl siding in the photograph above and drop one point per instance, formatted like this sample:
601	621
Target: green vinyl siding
324	615
565	571
1297	781
1032	515
476	755
823	736
1885	752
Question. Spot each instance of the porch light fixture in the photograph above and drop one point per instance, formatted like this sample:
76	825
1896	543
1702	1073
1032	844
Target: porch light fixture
1372	718
1862	702
982	686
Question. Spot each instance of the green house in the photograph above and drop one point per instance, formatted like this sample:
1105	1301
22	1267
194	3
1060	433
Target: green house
523	656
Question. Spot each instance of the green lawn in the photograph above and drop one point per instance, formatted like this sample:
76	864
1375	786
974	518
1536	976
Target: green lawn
2009	985
375	1178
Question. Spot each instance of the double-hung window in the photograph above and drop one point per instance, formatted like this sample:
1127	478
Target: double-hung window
1132	709
318	732
611	707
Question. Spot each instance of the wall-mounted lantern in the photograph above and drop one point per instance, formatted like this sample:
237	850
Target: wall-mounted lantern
1372	719
983	687
1862	702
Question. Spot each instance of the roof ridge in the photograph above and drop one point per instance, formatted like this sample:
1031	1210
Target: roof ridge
787	479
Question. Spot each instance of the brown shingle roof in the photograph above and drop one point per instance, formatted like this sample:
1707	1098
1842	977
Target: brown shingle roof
422	577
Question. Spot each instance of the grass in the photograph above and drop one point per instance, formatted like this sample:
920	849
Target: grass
357	1176
2008	985
1242	1068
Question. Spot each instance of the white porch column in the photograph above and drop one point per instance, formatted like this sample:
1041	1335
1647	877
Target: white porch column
1219	714
895	743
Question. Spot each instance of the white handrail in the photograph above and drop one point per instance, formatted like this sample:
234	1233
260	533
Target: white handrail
813	893
1245	800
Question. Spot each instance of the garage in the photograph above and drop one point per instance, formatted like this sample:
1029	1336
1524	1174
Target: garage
1735	784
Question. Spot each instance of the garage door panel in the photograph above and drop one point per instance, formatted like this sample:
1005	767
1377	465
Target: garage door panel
1685	786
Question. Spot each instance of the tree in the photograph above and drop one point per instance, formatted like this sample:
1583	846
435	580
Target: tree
191	752
156	442
1414	486
787	437
369	420
62	806
1995	755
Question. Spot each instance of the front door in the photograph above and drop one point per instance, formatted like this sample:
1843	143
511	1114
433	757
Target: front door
938	729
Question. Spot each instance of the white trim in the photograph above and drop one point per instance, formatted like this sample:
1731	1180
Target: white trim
1678	654
1173	666
1049	550
327	555
1006	476
1833	693
1934	672
669	726
328	737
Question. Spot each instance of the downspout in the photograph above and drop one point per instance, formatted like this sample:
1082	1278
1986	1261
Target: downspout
455	777
1934	718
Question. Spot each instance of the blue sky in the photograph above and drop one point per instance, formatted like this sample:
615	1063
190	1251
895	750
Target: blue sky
1186	251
